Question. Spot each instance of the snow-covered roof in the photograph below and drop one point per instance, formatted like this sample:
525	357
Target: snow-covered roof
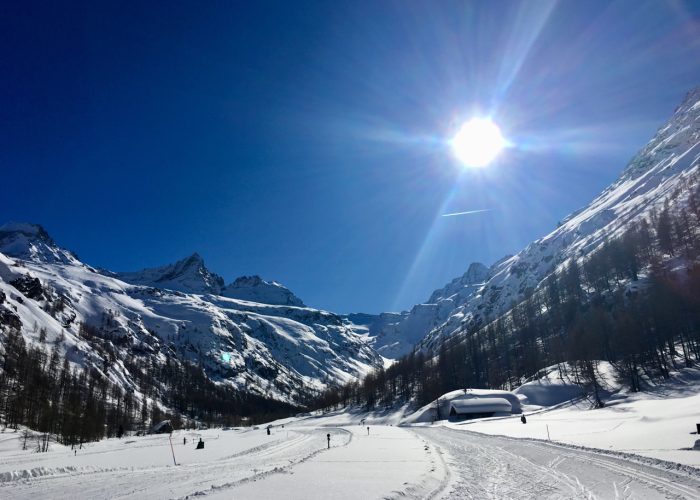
160	426
511	397
480	405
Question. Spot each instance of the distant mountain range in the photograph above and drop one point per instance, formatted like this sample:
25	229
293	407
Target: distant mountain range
252	334
258	337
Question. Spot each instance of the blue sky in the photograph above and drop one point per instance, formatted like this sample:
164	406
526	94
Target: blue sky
308	142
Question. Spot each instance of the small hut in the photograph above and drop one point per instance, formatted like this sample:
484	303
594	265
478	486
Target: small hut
461	409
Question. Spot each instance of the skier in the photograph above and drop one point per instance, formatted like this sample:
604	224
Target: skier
200	445
184	440
328	437
368	430
268	431
523	419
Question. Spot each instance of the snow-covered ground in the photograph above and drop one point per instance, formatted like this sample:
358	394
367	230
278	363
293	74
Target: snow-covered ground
484	466
294	462
658	423
387	461
638	446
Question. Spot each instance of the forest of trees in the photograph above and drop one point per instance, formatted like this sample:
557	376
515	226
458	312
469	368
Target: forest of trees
38	389
635	302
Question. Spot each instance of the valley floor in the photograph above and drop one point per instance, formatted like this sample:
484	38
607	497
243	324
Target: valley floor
295	463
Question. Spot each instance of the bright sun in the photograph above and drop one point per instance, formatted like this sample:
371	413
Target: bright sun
478	142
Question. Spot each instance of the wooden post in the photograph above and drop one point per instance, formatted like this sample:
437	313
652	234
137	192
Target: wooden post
172	449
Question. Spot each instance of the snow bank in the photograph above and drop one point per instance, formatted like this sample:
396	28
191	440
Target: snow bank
658	422
549	390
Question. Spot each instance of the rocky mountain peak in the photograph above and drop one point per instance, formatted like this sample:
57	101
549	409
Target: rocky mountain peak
189	275
463	286
28	241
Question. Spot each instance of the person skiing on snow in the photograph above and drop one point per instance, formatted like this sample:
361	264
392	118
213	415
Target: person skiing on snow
328	437
523	419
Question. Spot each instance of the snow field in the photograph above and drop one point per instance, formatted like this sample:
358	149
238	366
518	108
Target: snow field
390	462
138	466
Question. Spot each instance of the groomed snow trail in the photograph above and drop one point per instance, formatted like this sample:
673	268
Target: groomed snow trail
387	463
484	466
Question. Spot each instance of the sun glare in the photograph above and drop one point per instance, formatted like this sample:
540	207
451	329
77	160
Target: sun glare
478	142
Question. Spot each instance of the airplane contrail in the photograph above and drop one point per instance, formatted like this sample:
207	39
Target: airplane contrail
468	212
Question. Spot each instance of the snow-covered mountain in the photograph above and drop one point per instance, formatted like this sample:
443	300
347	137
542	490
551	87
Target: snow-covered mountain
188	275
32	242
256	289
395	334
99	320
671	160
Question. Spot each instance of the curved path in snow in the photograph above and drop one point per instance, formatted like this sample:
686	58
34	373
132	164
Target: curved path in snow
483	466
168	481
296	464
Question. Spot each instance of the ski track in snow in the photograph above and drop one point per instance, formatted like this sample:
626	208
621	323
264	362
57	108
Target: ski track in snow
498	467
418	462
168	481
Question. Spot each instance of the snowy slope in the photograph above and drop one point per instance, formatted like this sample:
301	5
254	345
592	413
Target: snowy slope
670	160
278	351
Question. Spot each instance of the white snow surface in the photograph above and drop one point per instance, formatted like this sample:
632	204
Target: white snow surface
369	457
657	422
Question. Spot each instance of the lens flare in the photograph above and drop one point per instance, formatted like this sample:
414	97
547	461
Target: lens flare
478	142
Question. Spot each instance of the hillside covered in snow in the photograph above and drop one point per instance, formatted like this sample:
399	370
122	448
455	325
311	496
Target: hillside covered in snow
252	335
668	163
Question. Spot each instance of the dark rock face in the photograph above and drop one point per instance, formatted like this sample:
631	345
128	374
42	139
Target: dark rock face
29	286
9	318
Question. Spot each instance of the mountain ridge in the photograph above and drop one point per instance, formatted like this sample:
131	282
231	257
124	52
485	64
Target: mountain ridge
669	159
283	352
